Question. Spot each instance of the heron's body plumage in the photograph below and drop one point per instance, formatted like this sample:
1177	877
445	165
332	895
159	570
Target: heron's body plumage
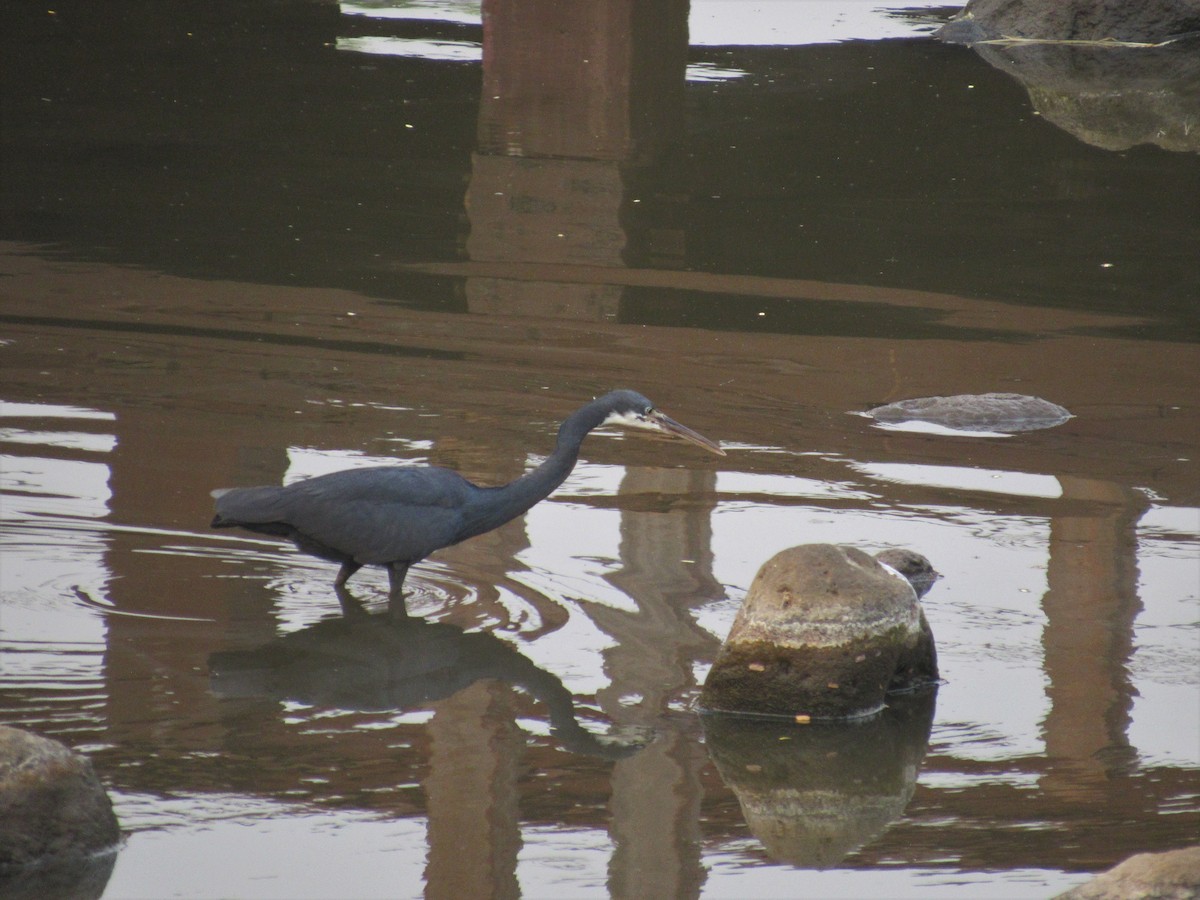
395	516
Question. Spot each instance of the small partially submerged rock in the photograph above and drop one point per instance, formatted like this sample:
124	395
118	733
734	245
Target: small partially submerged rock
1173	875
917	666
52	805
997	412
824	633
912	567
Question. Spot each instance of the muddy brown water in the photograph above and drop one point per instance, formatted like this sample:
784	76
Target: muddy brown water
238	249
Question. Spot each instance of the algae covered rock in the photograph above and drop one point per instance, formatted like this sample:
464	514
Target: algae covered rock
822	633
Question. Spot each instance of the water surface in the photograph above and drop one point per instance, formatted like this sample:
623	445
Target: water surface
248	243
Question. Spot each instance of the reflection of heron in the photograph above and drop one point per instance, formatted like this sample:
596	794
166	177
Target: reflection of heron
378	662
395	516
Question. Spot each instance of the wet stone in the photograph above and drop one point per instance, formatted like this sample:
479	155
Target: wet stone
52	805
1149	21
821	635
1172	875
999	412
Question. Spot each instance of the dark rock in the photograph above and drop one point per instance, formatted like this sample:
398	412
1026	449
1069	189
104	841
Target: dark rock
52	805
1147	21
1173	875
820	635
71	877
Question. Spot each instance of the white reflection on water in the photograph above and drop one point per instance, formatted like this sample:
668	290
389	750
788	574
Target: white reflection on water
49	646
958	478
728	23
52	411
713	22
361	854
308	462
462	12
1166	659
66	440
440	51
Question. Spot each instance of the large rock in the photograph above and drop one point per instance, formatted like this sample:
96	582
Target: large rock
1114	74
1173	875
1147	21
1002	413
821	635
52	805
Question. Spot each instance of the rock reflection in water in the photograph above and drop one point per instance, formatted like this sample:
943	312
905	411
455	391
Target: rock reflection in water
1112	74
813	794
377	662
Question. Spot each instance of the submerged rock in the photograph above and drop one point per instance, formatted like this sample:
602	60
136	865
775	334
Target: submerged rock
1173	875
56	820
1005	413
823	633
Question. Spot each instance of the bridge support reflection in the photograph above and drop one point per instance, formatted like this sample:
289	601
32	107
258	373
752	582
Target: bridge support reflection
666	569
579	101
1090	604
474	822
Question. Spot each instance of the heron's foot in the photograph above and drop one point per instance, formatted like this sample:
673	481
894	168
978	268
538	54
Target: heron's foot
352	608
397	608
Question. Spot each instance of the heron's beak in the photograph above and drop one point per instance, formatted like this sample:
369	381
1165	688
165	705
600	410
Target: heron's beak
667	425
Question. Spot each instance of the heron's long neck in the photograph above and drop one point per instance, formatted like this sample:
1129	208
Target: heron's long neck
499	505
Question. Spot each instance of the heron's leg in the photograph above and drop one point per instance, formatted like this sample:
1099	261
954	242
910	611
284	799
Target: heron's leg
396	573
350	606
348	568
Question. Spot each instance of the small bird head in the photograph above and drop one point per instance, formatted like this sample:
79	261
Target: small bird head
630	409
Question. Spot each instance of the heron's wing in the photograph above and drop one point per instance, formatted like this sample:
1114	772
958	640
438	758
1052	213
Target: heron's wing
380	515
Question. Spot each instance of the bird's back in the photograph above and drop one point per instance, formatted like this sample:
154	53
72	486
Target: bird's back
374	515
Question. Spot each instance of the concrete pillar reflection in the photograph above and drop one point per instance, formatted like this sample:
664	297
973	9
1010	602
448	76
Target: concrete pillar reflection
1090	604
153	674
667	570
474	832
577	98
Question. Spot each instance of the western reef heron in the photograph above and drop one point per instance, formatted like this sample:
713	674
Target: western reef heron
395	516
